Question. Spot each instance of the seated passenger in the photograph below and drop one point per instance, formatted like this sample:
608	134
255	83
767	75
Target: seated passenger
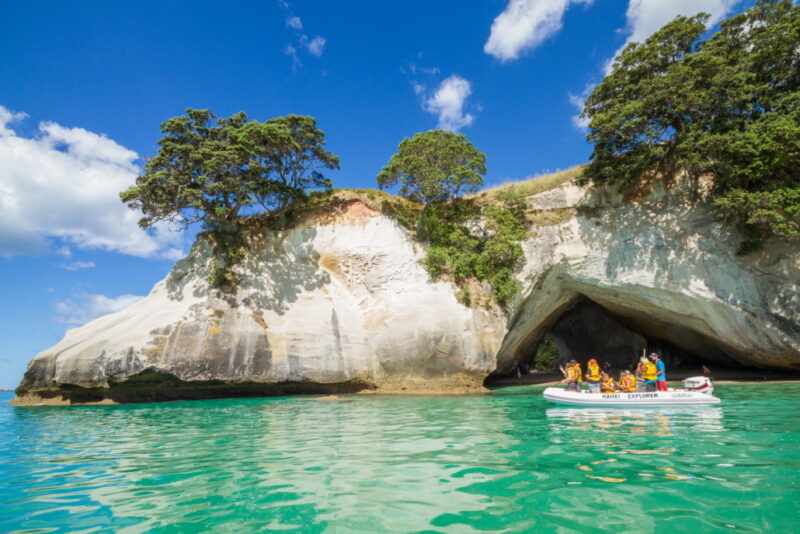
607	385
593	376
627	382
640	370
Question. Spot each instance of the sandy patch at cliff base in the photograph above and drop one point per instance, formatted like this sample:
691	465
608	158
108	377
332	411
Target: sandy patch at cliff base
35	400
458	384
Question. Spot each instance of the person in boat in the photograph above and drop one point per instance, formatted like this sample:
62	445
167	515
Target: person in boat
639	374
627	382
572	375
650	375
593	376
607	384
661	374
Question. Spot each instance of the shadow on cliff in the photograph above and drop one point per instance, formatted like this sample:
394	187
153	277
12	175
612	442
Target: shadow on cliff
277	269
652	256
676	237
649	235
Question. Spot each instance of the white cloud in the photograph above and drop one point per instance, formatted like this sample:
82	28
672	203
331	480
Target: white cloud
315	46
448	103
65	183
645	17
292	53
294	22
7	117
76	265
524	25
301	41
70	265
581	123
83	307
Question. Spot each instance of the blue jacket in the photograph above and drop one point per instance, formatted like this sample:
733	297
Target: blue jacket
660	371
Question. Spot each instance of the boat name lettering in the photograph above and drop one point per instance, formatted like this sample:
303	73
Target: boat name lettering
611	395
642	395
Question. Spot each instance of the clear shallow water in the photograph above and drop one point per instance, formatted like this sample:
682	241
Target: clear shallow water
500	462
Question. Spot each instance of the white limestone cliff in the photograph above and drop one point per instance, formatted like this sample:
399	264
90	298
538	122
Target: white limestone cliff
345	299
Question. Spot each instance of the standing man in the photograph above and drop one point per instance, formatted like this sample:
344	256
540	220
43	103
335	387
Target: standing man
593	376
661	375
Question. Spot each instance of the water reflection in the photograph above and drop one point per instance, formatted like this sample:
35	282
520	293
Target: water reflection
387	464
366	464
402	464
655	421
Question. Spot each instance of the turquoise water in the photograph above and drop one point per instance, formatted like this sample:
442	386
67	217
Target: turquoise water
505	462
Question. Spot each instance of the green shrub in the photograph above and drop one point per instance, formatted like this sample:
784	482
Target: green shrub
465	296
436	261
468	241
546	355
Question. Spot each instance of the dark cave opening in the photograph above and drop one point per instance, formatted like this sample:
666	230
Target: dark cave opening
585	328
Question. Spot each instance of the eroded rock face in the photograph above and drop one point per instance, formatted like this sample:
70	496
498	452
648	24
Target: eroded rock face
668	270
342	301
345	301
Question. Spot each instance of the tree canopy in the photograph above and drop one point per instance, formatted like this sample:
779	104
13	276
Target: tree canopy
727	107
434	166
211	171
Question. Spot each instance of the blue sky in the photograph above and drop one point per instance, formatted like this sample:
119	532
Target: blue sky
84	86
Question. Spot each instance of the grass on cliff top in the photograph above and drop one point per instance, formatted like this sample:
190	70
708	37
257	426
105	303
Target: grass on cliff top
325	202
375	198
530	186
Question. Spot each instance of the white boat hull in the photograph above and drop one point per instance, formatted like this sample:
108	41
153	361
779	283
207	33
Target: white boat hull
655	398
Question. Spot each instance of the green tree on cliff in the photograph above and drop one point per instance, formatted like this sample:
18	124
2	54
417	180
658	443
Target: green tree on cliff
434	166
212	171
727	107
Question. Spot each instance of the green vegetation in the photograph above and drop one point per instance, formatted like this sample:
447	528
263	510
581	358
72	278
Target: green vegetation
214	171
231	174
434	166
546	357
466	241
727	108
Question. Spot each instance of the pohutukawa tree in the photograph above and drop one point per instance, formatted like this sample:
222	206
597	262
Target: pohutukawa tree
434	166
212	171
727	107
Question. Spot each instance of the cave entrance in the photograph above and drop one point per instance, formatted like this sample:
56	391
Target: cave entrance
580	327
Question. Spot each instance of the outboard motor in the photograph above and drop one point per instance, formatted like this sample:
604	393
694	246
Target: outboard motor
701	384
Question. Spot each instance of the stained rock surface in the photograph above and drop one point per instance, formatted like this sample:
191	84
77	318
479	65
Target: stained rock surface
664	268
342	303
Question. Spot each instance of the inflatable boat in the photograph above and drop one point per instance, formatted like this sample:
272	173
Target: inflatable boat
696	391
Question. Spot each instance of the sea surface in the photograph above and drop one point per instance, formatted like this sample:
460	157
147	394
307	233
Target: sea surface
501	462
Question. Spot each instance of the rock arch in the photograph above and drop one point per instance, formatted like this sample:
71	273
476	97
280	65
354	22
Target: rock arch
622	317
